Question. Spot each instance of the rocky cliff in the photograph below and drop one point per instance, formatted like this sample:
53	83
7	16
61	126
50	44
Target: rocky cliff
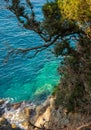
28	116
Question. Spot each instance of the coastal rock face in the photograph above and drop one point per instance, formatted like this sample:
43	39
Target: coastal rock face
1	101
51	118
16	116
27	116
4	124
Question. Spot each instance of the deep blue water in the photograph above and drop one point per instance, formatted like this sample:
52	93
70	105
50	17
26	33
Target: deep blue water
23	78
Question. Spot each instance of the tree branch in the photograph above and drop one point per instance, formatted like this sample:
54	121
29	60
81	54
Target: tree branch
21	50
87	125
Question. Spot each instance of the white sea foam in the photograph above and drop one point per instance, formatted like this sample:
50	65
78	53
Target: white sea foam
16	115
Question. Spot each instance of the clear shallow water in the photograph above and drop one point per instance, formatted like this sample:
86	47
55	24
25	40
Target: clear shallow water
25	79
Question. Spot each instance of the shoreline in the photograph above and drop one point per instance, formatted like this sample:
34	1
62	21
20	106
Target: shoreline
25	116
18	114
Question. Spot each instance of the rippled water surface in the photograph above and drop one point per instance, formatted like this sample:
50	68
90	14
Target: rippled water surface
21	78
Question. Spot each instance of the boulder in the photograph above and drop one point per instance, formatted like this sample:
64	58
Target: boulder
4	124
27	111
1	101
25	124
16	105
13	126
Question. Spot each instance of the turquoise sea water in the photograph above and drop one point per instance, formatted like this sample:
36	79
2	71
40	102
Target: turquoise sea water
22	78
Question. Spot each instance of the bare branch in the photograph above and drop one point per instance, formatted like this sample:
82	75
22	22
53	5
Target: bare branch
21	50
87	125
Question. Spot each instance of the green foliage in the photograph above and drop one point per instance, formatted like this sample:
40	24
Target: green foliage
78	11
75	9
76	97
52	18
64	49
75	86
51	10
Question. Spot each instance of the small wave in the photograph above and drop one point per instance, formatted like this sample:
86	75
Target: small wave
15	113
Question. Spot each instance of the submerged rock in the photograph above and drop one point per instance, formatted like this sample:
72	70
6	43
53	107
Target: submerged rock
1	101
16	105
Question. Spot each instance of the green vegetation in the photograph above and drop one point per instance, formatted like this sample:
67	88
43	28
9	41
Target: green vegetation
66	27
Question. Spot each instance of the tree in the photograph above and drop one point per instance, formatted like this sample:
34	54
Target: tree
77	11
67	27
49	31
